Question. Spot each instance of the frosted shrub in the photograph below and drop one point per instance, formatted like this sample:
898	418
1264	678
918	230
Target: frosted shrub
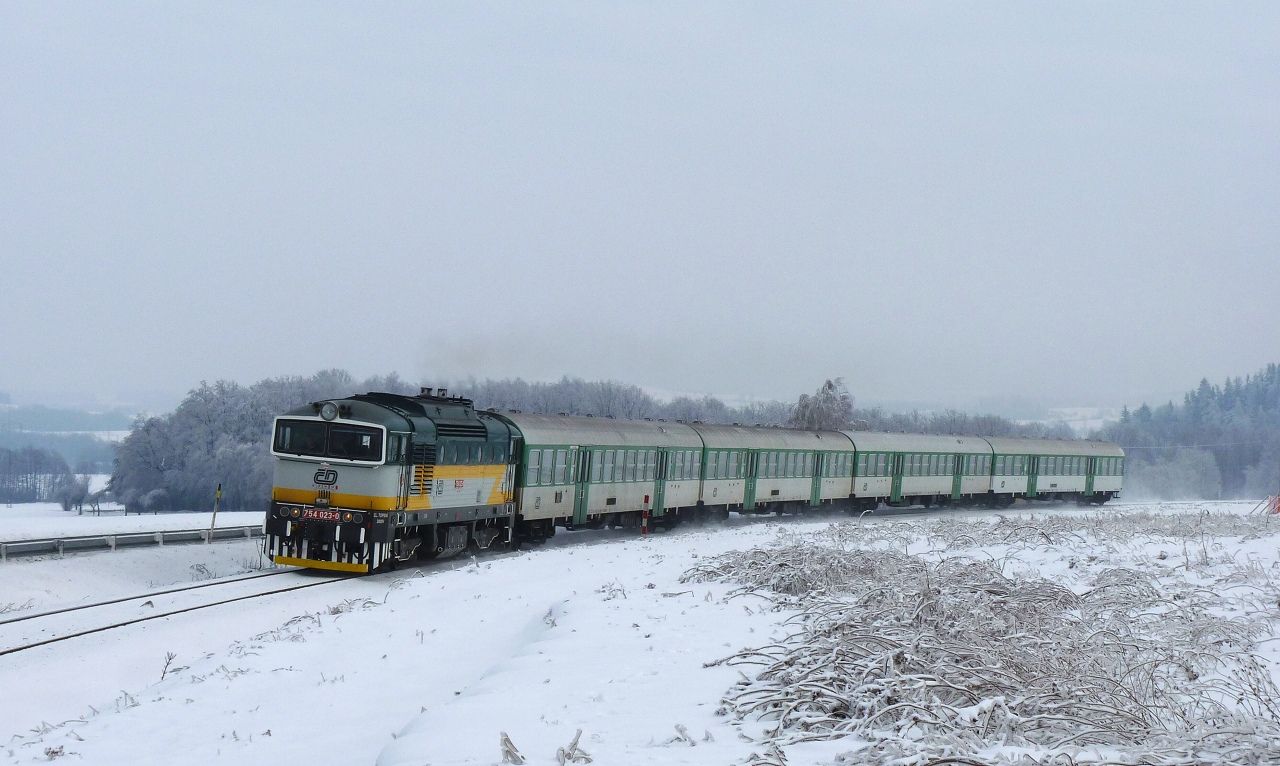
919	657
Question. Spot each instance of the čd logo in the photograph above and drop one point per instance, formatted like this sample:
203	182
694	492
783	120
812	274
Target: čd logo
326	476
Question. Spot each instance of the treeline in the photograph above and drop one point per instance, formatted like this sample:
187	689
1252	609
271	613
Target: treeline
220	431
31	475
1221	441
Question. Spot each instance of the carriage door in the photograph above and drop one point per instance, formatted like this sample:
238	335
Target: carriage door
815	492
957	476
1092	465
1033	471
895	493
660	482
582	486
749	491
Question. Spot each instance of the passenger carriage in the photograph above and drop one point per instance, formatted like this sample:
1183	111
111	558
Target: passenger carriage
918	468
582	471
1056	469
763	469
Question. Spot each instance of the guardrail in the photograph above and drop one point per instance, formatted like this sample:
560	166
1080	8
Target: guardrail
62	545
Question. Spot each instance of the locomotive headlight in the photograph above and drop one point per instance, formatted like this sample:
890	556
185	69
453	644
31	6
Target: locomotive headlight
346	516
296	512
357	517
328	410
283	511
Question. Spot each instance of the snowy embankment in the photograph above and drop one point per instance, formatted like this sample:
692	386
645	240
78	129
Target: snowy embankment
663	650
44	521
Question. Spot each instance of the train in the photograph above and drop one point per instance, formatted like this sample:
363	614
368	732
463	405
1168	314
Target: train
369	481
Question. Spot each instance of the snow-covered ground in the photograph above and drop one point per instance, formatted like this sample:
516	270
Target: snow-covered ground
596	631
43	521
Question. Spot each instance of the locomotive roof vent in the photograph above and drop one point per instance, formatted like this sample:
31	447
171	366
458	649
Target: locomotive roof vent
425	391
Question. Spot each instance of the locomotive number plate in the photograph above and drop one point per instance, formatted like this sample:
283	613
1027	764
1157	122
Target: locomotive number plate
321	515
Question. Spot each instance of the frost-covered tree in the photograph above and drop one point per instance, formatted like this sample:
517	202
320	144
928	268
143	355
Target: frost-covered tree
829	408
220	434
71	492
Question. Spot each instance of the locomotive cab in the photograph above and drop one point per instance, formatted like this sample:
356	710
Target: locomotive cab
374	479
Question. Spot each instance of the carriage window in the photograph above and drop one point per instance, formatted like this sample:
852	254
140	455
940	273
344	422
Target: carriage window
535	461
562	466
650	464
548	456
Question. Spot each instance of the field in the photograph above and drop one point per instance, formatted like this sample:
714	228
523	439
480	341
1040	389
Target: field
1046	635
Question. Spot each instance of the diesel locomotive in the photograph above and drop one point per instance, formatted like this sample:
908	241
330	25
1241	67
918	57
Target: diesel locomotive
375	479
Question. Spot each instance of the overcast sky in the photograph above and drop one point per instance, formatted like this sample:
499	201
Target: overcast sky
1071	203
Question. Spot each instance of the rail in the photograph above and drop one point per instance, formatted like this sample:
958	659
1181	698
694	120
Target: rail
61	545
42	637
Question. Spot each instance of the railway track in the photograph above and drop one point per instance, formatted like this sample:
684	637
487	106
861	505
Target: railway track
30	631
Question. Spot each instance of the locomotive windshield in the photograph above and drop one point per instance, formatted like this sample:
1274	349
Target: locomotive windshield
314	438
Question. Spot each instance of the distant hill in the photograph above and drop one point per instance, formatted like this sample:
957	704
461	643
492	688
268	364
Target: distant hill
37	417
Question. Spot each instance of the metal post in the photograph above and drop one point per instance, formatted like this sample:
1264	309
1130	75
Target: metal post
217	501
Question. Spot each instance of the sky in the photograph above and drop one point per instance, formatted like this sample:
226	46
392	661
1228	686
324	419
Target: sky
1073	204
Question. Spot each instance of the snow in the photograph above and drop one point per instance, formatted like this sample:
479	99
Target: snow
596	631
46	521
